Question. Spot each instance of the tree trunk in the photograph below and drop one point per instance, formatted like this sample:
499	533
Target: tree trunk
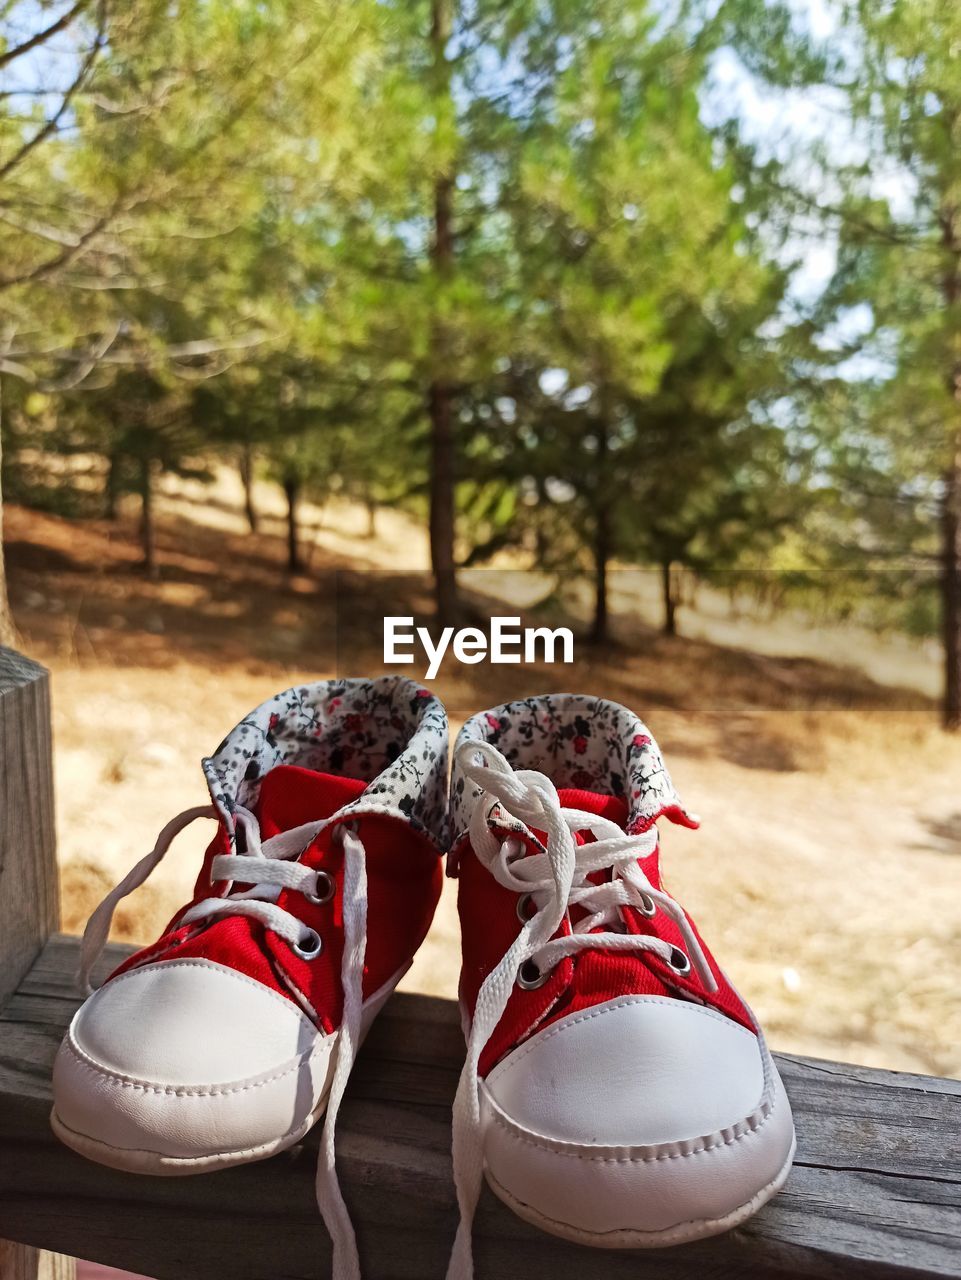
442	505
292	493
7	632
111	488
602	541
147	530
541	544
602	554
951	590
669	597
246	467
371	518
951	508
439	392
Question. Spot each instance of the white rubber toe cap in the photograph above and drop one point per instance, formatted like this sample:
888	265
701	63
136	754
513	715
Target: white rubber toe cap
642	1121
187	1065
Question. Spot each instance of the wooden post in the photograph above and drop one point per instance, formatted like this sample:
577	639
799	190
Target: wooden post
29	897
20	1262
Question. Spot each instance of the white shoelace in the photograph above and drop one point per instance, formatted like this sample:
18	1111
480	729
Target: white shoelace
554	881
268	867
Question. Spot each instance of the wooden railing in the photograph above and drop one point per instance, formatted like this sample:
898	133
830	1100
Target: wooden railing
875	1191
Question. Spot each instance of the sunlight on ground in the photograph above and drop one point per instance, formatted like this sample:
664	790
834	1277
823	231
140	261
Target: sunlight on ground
826	875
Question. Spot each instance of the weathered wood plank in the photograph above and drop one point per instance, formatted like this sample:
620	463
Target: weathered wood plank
21	1262
876	1190
28	863
29	898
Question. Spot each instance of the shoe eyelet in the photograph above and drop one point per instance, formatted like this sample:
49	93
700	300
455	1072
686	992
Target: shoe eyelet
309	947
529	976
647	906
325	889
524	904
679	962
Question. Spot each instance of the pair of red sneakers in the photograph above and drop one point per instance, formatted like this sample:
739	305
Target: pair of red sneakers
616	1090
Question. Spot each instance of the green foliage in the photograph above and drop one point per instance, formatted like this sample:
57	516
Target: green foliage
226	237
885	430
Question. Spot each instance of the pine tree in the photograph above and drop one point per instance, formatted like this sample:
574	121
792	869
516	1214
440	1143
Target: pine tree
632	394
891	197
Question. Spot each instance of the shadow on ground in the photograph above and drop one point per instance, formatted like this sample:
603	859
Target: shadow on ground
78	591
945	834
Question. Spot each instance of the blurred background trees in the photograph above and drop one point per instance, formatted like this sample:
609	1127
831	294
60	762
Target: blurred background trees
577	283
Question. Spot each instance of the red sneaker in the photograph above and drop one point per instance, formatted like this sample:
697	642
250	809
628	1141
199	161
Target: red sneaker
617	1090
225	1040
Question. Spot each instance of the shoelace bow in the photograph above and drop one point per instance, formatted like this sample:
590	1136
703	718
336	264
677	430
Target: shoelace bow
554	881
268	867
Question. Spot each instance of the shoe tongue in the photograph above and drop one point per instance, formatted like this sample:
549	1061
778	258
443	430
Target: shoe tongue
601	975
291	796
610	807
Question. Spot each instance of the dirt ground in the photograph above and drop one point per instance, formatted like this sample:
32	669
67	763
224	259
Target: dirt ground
827	871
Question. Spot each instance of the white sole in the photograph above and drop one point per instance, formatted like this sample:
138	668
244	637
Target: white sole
134	1160
155	1163
682	1233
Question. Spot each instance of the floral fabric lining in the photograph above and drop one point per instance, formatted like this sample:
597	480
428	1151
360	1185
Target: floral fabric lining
389	732
578	741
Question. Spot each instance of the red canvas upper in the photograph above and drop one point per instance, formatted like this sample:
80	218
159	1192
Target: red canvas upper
490	924
404	881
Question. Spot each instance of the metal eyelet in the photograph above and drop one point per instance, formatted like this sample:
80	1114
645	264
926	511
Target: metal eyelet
647	906
326	888
679	962
529	976
310	946
524	904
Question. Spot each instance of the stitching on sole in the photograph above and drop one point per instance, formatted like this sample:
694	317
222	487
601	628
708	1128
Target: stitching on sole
626	1238
157	1163
569	1151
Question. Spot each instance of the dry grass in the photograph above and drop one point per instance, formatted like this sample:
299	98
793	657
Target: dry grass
827	874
